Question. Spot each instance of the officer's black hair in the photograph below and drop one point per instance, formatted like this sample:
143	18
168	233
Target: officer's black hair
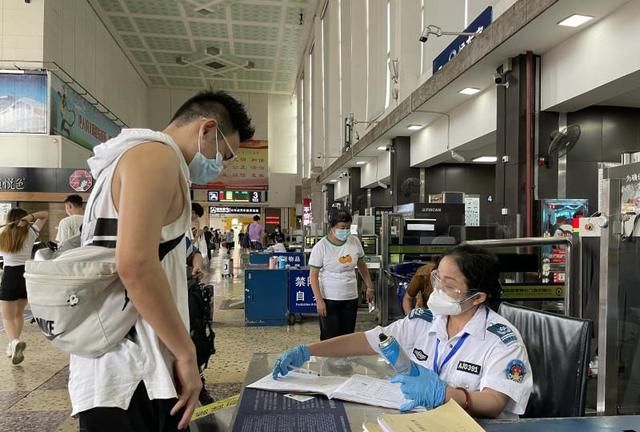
227	110
337	216
481	269
197	209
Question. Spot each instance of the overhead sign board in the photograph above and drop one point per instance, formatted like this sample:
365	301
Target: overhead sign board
213	210
453	49
235	196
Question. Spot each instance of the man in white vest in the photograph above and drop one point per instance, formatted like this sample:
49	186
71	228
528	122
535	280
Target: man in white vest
150	381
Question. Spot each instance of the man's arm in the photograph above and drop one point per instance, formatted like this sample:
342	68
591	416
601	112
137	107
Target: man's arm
145	173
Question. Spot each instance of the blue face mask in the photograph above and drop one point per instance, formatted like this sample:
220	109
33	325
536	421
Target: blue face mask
342	234
203	170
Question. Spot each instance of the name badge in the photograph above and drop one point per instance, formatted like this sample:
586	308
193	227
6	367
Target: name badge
469	367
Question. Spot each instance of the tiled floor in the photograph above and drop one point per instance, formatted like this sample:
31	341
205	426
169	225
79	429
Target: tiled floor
33	395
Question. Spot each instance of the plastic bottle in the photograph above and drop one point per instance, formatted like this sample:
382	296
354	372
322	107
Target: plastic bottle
396	356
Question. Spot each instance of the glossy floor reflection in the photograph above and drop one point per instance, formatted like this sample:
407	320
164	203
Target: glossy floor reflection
33	395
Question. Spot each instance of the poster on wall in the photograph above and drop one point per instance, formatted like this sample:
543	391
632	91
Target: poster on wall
250	170
23	103
72	116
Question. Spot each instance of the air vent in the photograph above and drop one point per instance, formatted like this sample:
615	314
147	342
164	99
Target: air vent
216	65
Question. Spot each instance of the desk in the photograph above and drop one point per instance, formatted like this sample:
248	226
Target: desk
261	364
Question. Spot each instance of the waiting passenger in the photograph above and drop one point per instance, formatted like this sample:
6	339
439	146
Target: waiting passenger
463	350
69	226
278	246
419	289
16	243
332	273
150	381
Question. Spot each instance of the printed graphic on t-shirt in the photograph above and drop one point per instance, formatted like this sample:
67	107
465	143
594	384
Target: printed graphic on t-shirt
346	259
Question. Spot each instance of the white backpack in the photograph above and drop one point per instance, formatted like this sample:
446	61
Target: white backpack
78	300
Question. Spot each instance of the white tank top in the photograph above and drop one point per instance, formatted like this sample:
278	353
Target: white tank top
111	380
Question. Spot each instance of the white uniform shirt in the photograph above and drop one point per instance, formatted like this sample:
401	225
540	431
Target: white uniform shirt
492	356
337	265
69	227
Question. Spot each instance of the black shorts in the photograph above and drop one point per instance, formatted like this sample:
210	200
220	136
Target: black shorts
12	286
143	415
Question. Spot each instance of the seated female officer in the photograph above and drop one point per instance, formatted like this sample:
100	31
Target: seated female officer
464	350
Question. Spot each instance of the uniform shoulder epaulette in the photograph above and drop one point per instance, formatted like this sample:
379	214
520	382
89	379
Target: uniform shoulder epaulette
504	332
421	313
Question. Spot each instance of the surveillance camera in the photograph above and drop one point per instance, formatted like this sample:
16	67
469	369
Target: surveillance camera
500	80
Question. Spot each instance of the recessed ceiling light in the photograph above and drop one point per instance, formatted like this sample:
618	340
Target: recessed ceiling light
333	181
415	127
382	148
485	159
575	20
469	91
361	162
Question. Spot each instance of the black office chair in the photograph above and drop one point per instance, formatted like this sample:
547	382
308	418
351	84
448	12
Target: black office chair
558	348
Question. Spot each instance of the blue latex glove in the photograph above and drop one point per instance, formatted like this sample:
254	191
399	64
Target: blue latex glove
426	389
295	357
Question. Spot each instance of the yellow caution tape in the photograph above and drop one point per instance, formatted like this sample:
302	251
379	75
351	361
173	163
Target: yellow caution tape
206	410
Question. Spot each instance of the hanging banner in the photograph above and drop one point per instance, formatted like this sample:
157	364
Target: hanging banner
250	170
23	103
307	216
72	116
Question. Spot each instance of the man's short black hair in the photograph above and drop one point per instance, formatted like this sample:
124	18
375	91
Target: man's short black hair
256	218
197	209
230	113
74	200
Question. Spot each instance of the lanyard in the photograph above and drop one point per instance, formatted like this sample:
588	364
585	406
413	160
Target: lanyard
437	369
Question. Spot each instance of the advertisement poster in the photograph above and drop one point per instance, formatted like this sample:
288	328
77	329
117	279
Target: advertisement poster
250	170
307	216
559	218
72	116
23	103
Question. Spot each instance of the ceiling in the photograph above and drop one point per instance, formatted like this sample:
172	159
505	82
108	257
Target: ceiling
539	36
236	45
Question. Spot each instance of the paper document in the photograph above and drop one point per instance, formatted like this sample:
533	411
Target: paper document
358	388
449	417
371	427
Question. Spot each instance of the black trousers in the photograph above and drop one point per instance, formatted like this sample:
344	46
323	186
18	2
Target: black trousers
143	415
340	319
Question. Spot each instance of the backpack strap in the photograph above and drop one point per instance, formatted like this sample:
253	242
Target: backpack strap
168	246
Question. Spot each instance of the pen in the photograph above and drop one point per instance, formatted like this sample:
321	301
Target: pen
303	371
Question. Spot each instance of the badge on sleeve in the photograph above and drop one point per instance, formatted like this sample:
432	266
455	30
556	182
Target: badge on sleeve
424	314
516	370
505	334
420	355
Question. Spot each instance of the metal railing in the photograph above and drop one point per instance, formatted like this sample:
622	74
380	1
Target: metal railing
572	305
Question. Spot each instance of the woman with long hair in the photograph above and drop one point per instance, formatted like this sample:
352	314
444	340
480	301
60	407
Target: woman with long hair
16	242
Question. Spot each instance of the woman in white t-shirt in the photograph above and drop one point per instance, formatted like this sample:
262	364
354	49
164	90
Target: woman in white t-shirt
16	242
332	265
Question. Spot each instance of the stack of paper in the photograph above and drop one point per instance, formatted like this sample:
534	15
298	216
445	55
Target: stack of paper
358	388
449	417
